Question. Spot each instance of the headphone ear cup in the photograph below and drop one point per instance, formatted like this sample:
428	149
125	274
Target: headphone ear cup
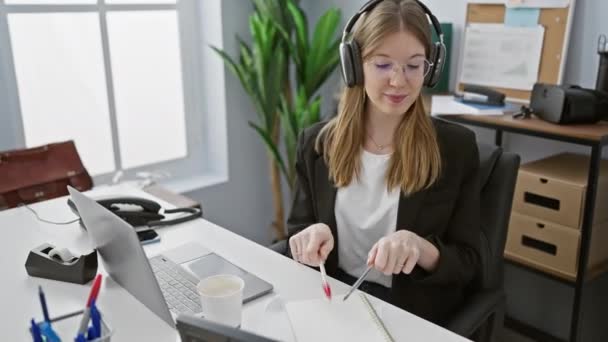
438	60
346	62
428	80
357	63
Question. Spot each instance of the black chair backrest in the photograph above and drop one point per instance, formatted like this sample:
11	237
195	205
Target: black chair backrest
498	174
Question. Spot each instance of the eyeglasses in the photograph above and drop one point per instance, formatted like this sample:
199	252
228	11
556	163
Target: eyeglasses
385	68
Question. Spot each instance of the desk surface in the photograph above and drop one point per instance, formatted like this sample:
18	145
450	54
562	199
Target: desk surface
591	133
129	318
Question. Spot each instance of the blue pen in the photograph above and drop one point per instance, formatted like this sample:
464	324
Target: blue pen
96	319
45	310
49	334
36	331
92	334
80	338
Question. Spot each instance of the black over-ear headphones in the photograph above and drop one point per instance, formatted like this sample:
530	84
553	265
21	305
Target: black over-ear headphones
350	53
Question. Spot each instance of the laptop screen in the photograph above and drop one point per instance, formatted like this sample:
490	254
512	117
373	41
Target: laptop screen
122	255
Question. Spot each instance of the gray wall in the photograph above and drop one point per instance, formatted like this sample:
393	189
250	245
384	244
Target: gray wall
10	121
543	303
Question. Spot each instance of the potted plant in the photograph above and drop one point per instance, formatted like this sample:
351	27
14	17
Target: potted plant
280	40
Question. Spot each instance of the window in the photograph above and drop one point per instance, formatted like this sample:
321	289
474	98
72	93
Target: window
120	77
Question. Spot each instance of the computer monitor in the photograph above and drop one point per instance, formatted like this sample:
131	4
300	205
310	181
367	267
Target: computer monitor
194	329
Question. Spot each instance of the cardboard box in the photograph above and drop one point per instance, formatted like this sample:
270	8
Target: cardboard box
553	189
554	248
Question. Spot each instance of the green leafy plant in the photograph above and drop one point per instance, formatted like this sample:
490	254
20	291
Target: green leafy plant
280	39
315	60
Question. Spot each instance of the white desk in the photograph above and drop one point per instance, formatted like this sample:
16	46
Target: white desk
130	319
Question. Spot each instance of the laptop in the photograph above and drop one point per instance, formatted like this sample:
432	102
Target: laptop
193	329
166	283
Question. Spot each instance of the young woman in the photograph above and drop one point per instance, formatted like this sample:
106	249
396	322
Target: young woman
383	184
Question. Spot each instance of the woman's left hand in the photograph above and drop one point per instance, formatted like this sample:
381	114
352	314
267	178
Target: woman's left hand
396	253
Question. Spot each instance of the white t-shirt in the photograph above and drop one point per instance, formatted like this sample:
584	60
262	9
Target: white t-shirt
365	212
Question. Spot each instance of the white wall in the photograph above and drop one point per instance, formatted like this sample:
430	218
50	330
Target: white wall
590	19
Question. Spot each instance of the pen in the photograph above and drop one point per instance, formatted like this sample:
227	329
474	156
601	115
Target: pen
84	321
70	315
94	290
87	310
326	287
80	338
357	283
45	310
91	335
96	319
49	334
36	335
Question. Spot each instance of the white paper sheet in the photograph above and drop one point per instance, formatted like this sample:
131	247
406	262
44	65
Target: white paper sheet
269	319
321	320
496	55
447	105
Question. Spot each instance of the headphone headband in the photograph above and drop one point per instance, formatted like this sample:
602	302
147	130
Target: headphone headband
368	6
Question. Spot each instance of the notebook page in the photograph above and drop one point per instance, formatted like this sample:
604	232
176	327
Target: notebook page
321	320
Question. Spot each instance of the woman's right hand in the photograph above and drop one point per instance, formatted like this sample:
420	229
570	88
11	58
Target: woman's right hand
312	245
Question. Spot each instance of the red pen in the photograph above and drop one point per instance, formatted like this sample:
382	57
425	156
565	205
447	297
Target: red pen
94	290
326	287
86	315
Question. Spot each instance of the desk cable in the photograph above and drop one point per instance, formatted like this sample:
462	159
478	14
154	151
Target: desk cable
524	113
47	221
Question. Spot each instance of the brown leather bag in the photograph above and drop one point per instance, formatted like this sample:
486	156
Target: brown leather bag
40	173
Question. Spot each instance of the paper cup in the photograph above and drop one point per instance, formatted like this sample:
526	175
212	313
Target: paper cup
222	299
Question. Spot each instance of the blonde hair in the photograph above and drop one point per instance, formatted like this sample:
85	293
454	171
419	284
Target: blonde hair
416	161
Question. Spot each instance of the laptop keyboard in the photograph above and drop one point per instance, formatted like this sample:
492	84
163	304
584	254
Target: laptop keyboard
177	285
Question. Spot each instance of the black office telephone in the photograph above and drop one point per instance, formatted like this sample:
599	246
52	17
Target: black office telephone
143	212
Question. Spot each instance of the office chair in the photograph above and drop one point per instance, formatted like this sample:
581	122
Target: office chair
482	316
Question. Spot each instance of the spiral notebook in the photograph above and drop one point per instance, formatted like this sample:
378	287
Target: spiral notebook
321	320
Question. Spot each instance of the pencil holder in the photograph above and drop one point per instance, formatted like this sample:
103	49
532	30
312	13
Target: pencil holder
66	326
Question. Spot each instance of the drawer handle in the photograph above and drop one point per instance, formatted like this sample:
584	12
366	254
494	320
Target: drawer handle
544	180
542	246
540	225
542	201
